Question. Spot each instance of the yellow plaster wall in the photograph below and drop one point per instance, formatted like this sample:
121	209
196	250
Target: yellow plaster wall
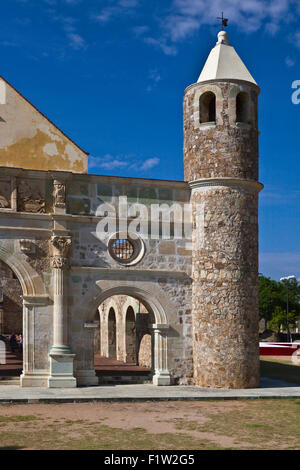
28	140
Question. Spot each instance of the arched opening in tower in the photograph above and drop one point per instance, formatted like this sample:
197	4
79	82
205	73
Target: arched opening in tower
242	107
207	107
11	324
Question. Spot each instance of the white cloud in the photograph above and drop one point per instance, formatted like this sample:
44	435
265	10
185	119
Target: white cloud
110	162
149	164
250	15
118	8
76	41
185	17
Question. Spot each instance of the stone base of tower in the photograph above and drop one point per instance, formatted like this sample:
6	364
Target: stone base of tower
225	284
223	376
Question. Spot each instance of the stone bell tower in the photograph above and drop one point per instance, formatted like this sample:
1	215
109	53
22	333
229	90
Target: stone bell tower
221	166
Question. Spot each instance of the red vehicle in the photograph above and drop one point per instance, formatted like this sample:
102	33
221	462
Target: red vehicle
278	349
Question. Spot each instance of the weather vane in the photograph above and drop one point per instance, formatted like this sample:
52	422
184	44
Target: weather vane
224	21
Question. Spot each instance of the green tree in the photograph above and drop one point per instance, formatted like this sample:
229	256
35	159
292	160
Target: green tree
272	302
280	320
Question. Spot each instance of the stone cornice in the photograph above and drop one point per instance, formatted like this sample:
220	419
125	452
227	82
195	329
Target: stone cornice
67	176
35	300
222	80
228	182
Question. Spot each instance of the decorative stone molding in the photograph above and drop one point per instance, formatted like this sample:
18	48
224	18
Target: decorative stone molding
8	198
30	301
26	246
60	250
59	263
31	196
59	194
229	182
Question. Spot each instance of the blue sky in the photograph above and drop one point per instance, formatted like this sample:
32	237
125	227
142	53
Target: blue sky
112	73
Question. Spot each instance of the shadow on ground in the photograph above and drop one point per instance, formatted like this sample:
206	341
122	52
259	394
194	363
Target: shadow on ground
277	370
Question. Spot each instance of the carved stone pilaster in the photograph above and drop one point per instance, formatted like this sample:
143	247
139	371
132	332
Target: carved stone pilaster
59	195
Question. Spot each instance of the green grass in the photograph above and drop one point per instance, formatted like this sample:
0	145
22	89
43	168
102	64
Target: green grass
101	438
262	424
275	369
250	424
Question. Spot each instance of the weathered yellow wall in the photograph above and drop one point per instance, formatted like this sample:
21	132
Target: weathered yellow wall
28	140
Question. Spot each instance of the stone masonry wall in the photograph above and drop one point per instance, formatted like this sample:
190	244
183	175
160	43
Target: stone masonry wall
225	149
225	290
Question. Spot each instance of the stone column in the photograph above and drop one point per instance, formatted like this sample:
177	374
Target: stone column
61	358
161	375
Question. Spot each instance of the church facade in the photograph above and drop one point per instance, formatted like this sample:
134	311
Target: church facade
195	288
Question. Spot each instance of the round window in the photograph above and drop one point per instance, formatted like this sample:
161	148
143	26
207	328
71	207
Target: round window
122	249
125	249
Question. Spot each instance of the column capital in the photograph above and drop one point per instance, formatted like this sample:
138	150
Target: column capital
60	246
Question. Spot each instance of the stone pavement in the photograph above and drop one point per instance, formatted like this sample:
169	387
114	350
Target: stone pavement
269	389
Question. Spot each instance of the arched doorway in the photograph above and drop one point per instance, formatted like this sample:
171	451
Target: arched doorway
125	341
11	324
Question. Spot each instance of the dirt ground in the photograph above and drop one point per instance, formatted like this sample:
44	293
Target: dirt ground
257	424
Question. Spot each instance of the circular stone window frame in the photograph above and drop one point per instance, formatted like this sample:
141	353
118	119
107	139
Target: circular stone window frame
138	248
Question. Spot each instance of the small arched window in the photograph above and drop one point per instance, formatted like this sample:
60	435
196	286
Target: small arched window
207	107
242	108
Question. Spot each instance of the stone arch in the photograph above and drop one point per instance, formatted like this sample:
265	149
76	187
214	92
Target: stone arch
31	282
35	297
161	375
209	88
147	297
207	105
235	92
242	107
